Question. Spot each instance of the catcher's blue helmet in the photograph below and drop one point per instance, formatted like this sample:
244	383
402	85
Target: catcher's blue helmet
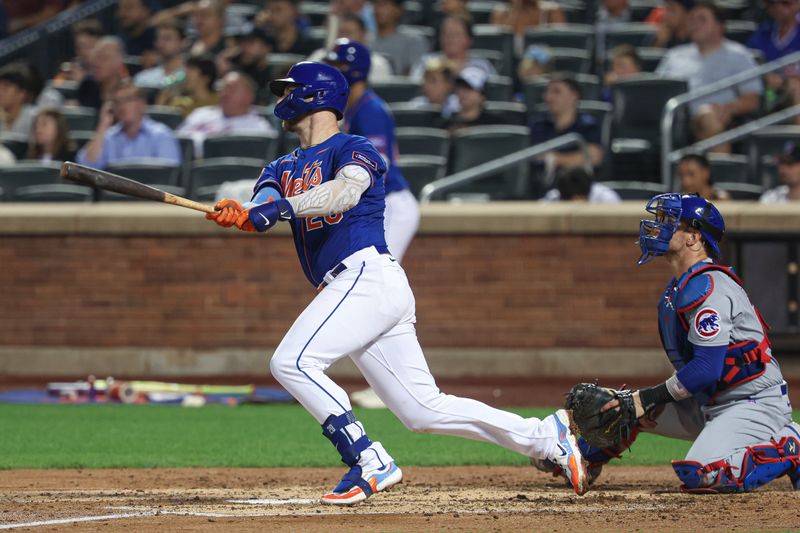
671	209
352	58
317	86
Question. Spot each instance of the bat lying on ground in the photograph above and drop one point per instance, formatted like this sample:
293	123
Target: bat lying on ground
112	182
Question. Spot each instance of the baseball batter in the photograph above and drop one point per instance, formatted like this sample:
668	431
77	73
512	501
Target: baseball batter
367	115
727	394
331	190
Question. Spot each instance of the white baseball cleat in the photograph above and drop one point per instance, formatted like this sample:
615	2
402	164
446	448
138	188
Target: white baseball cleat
356	486
568	455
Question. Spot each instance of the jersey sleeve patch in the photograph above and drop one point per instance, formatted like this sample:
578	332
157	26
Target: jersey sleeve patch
707	323
358	156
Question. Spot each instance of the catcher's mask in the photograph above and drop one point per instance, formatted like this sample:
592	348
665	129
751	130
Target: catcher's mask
669	211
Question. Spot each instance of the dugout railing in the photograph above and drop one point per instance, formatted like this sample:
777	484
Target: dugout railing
493	167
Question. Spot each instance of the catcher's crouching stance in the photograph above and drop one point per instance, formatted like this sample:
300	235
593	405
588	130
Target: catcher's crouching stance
727	394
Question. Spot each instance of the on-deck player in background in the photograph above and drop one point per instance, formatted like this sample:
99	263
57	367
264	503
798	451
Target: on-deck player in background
368	115
727	393
331	191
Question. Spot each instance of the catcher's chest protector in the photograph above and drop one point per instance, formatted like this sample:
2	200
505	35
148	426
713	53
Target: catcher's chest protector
745	359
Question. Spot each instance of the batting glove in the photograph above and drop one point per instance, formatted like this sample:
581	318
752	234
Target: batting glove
227	212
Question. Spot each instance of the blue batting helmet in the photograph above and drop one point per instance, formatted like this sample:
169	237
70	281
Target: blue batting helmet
352	58
316	86
672	209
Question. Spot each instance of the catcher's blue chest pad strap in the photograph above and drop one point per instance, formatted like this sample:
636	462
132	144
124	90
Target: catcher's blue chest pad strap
350	449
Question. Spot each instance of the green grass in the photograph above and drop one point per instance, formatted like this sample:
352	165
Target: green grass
105	436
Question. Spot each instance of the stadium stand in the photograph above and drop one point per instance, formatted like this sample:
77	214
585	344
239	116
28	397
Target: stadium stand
631	119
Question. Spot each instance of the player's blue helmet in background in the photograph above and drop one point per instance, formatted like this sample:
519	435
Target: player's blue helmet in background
672	209
352	58
316	86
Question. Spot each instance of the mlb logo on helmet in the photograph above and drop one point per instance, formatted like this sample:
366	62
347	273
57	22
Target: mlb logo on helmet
706	323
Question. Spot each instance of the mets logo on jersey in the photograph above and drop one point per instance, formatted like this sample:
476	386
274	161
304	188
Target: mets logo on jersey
706	323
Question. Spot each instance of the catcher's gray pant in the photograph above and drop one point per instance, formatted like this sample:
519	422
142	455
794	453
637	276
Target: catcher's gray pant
725	431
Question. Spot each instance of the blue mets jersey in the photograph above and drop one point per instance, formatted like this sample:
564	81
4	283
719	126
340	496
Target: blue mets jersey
371	118
323	241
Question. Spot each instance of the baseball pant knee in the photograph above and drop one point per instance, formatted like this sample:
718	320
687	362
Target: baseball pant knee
422	417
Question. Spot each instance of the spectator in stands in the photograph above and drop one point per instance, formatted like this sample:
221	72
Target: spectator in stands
170	41
694	173
253	59
673	23
535	63
438	87
209	21
24	14
85	34
49	139
789	171
16	111
779	35
454	8
352	27
360	8
710	58
625	63
233	115
281	19
775	38
133	136
561	97
197	89
471	93
135	31
455	39
576	185
521	15
403	49
610	15
106	69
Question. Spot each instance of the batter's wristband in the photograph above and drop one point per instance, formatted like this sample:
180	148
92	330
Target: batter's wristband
653	396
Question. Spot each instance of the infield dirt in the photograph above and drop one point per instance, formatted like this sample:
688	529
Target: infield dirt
430	499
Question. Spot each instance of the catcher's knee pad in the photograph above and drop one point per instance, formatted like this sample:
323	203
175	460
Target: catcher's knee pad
760	465
349	446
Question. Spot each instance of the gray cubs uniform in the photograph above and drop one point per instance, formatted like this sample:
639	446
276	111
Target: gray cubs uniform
746	419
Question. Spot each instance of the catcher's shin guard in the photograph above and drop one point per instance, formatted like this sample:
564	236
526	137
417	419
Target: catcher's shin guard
760	465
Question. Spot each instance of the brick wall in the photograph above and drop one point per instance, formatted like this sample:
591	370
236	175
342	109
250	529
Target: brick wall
206	292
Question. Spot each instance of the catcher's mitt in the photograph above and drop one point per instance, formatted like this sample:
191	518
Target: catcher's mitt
604	430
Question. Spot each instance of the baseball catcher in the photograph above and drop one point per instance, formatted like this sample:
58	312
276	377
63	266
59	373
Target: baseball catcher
727	394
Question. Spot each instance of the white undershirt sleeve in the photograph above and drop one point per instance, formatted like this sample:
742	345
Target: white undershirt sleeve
335	196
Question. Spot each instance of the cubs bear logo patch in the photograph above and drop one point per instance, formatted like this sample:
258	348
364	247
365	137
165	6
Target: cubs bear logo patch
706	323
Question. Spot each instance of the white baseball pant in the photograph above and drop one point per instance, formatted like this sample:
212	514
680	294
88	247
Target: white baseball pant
368	313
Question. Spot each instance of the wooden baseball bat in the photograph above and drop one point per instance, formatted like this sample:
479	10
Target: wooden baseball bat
112	182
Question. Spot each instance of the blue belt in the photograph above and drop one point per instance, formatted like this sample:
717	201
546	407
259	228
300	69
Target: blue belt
784	389
341	267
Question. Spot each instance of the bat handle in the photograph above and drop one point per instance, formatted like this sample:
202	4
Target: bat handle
185	202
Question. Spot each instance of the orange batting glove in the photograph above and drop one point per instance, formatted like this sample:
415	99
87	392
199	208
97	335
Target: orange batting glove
227	212
243	221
